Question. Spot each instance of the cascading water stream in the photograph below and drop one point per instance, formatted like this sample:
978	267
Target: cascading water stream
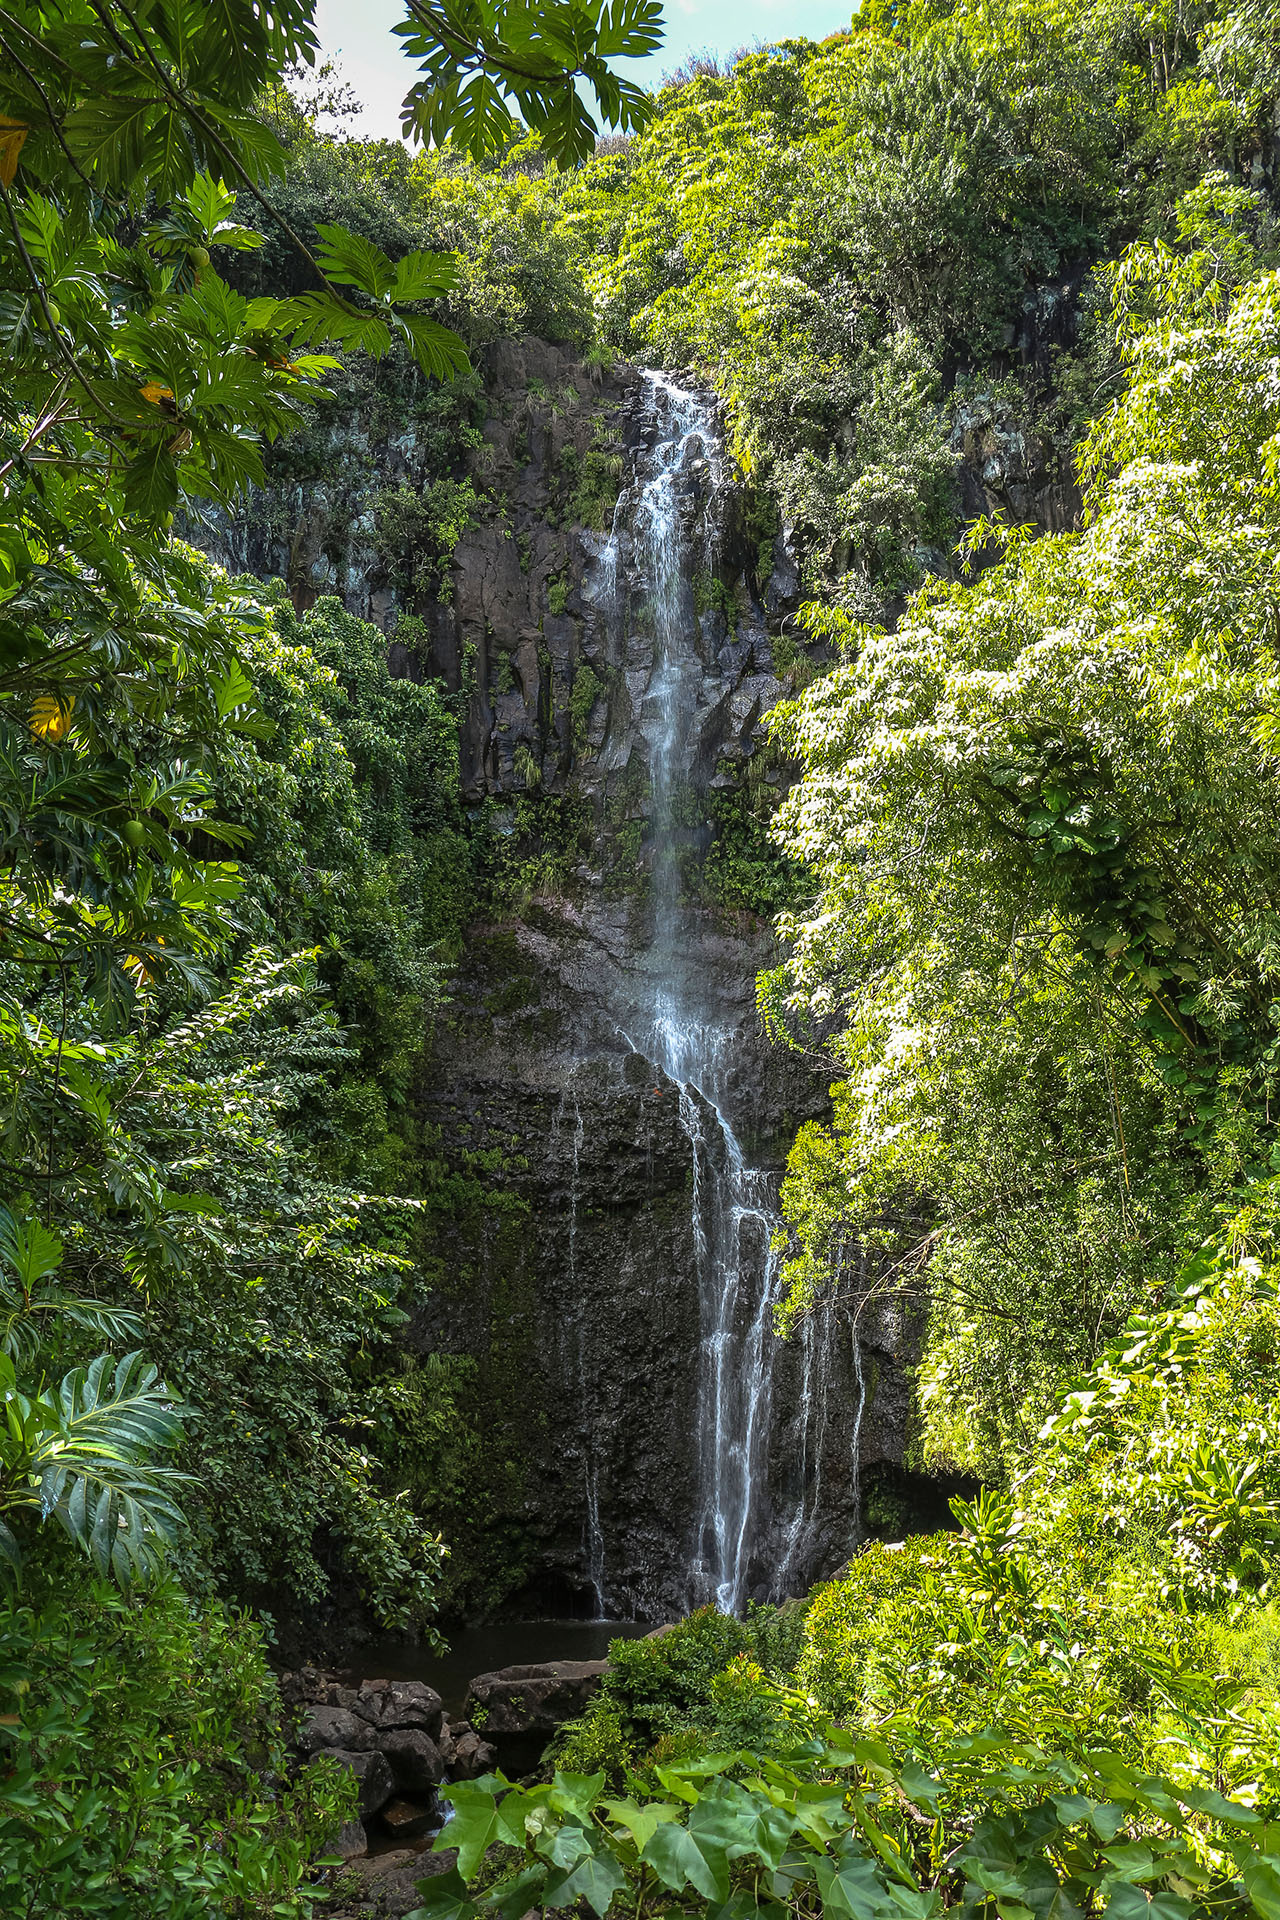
733	1219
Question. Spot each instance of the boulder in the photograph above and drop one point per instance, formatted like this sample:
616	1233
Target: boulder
334	1727
525	1700
407	1819
400	1703
389	1882
371	1771
465	1754
415	1759
349	1841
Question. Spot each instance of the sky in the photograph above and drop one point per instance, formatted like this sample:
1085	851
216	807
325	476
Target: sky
357	34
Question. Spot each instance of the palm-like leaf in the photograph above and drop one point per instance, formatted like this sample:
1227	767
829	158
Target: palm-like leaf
121	1416
29	1249
124	1518
24	1327
81	1454
30	1255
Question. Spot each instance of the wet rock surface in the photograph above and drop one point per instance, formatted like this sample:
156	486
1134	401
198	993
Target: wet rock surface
519	1708
405	1773
565	1276
574	1290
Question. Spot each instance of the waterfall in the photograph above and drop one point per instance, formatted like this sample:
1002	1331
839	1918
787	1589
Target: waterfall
810	1430
672	529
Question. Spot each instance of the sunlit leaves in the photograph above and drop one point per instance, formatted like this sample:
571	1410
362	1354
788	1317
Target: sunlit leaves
352	260
481	65
1018	802
1047	1834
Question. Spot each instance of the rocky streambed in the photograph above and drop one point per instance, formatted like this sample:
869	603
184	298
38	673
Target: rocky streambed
404	1749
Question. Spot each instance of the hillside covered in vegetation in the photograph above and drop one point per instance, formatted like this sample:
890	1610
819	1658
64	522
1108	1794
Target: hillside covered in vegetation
310	777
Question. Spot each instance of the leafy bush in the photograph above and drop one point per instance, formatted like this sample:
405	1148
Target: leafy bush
836	1828
594	480
417	532
1121	1591
143	1770
1039	815
583	694
708	1677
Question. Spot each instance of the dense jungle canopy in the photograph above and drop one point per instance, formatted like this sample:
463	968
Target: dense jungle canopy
1014	824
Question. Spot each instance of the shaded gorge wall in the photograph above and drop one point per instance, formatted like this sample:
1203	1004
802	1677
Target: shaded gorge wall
559	1170
578	1288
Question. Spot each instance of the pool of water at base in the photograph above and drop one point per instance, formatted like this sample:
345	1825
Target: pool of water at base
473	1650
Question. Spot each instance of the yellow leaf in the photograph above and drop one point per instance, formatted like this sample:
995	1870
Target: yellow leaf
51	717
12	135
155	393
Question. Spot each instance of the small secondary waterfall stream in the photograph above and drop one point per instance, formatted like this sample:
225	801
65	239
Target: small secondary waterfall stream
670	511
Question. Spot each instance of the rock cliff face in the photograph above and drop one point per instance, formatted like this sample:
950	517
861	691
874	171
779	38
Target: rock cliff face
574	1289
581	1307
567	1251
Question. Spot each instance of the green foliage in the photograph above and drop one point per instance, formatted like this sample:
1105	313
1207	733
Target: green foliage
744	870
535	845
1121	1592
583	694
788	228
837	1829
1039	816
417	532
594	480
712	595
476	69
708	1679
263	1289
80	1453
144	1764
525	766
423	1435
827	230
361	850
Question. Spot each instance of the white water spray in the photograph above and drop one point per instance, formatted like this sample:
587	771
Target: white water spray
733	1218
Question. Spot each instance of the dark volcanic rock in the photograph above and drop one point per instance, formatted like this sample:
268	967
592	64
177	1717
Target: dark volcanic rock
372	1772
388	1882
532	1699
466	1755
349	1841
400	1703
415	1759
578	1298
335	1727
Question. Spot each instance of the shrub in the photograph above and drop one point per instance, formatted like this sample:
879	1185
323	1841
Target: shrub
707	1677
143	1773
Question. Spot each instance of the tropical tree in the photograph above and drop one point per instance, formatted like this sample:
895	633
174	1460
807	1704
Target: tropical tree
1042	814
139	380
